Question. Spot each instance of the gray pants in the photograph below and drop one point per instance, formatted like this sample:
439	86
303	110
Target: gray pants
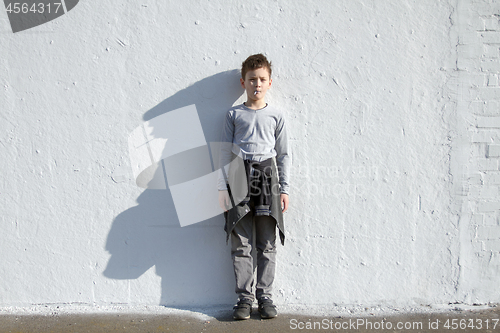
241	252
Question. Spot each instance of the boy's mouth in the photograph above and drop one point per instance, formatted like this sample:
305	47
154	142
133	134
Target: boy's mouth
256	92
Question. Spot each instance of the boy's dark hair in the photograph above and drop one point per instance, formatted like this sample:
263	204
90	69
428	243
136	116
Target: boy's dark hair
253	62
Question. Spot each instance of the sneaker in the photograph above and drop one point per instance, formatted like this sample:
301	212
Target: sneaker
242	310
267	309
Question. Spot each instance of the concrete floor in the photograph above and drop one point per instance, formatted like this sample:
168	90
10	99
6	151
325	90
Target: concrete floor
485	320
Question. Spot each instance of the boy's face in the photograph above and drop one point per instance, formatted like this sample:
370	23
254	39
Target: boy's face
256	83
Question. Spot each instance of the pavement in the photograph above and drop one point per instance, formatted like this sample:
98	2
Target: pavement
452	318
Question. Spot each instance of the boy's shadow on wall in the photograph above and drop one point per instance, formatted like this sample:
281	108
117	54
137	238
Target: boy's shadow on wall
193	261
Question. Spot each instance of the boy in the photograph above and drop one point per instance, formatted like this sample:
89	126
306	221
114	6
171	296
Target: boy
256	138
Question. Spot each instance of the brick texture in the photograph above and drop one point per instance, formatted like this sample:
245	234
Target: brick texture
478	64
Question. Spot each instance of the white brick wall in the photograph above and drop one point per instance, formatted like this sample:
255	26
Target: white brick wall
394	116
478	68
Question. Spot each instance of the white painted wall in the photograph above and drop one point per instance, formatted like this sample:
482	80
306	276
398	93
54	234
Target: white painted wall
386	203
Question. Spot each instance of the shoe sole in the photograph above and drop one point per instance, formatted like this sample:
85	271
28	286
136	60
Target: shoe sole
268	317
241	318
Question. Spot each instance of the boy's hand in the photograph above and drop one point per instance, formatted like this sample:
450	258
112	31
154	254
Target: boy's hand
224	200
284	202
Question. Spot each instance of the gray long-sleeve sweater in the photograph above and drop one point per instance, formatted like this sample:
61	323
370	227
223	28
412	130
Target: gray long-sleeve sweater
256	135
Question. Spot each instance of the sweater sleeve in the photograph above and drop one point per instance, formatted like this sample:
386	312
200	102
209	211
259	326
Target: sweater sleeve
225	150
283	155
